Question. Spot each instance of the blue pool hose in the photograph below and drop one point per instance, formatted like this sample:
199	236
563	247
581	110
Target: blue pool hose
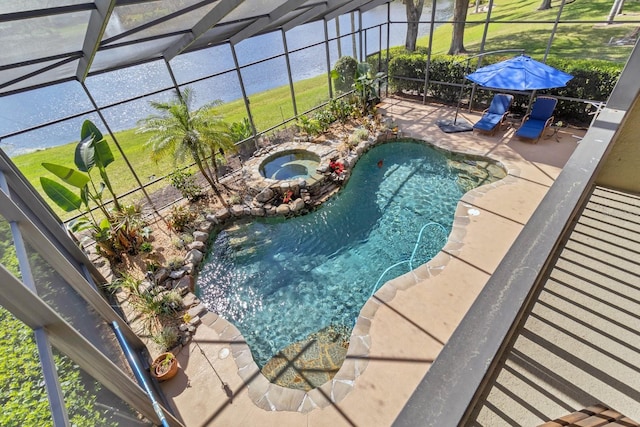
410	260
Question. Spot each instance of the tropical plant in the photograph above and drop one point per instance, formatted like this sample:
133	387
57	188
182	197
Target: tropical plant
180	131
367	85
184	181
119	230
241	130
166	339
154	305
309	126
217	135
340	109
180	218
91	152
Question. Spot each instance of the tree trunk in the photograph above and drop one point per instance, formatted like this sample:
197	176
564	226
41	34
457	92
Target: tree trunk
202	170
414	12
459	17
615	9
477	7
546	4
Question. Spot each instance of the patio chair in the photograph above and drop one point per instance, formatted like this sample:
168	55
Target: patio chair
494	116
539	119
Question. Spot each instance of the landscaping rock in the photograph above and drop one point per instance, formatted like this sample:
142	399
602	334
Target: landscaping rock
283	209
297	205
185	285
223	214
256	211
200	236
162	275
205	227
197	311
201	246
145	287
189	300
188	268
194	256
177	274
212	218
265	195
237	210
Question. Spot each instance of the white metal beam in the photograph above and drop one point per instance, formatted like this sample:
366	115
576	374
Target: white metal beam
261	23
348	6
35	313
215	15
63	267
97	24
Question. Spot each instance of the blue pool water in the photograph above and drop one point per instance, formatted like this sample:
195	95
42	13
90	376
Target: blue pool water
290	165
279	280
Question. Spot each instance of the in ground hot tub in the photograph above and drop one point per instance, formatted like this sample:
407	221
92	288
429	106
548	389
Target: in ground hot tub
290	164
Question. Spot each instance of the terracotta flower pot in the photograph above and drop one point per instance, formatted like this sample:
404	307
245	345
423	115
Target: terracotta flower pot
164	367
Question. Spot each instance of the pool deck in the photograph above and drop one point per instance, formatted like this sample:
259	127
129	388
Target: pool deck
401	329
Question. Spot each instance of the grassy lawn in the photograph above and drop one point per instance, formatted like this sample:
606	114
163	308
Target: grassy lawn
572	40
271	107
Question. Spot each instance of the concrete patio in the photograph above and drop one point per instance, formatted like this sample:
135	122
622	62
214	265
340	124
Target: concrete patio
402	329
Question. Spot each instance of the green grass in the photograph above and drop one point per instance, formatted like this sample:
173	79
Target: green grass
572	41
271	107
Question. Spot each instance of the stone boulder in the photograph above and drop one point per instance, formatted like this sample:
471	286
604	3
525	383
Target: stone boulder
297	205
237	210
283	209
200	236
194	257
265	195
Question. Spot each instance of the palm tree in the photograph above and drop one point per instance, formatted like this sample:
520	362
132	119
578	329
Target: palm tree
181	132
219	139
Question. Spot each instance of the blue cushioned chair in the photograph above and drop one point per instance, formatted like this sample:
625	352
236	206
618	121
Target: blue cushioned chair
540	118
494	116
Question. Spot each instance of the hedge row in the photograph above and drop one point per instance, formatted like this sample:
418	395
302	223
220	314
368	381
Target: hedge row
592	80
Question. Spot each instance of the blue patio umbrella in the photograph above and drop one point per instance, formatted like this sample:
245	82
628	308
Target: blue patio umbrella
519	73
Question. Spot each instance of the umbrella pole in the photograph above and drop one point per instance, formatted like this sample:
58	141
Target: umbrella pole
455	117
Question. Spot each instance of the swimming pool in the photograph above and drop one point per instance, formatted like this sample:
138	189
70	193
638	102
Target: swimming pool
280	280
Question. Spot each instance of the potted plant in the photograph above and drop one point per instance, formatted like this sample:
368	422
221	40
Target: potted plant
165	366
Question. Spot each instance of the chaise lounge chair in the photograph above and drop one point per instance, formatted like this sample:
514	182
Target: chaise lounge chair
494	116
540	118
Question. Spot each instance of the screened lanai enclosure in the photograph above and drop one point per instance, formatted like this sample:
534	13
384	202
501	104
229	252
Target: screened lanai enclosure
68	355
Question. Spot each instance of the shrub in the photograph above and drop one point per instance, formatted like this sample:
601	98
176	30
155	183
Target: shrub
359	134
167	338
309	126
180	218
592	80
185	182
241	130
343	74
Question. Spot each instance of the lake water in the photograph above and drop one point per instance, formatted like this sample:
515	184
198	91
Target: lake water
26	110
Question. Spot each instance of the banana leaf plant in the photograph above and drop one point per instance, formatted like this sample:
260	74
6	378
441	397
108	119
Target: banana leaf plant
92	152
366	85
